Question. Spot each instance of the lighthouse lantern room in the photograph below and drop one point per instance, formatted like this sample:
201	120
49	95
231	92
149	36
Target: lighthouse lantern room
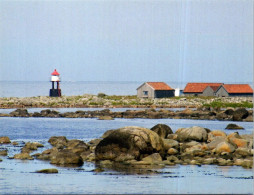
55	78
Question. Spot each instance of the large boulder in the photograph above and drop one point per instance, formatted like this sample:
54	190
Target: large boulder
193	133
240	114
162	130
5	140
129	143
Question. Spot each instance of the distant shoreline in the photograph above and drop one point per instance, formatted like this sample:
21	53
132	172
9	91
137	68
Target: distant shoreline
117	101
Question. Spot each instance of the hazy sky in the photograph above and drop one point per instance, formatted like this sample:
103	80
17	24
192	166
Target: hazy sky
137	40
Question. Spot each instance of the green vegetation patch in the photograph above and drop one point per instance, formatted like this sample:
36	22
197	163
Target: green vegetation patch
220	104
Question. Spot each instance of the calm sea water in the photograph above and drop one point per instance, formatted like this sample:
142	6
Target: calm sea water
41	88
17	176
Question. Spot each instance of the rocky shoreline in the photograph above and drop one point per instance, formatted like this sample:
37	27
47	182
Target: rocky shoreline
104	101
136	147
202	113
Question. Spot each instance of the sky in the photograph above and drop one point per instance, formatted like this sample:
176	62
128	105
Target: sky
131	40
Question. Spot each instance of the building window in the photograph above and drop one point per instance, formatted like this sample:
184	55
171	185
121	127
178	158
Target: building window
145	92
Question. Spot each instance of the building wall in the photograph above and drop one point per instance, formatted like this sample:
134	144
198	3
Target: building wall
208	92
240	94
192	94
221	92
164	93
145	87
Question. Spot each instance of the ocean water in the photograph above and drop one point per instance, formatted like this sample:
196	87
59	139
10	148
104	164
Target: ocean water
19	177
41	88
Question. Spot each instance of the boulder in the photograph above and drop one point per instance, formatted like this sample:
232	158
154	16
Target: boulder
58	141
172	151
5	140
215	142
153	158
19	113
31	146
77	146
235	135
129	142
170	143
240	114
248	119
47	154
221	116
162	130
240	143
229	111
193	133
105	118
94	142
107	133
224	147
47	171
3	152
243	152
66	157
23	156
233	126
216	133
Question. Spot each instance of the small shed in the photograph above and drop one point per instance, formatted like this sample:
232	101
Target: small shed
155	90
200	89
234	90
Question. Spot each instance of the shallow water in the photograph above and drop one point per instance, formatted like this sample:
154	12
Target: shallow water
17	176
62	110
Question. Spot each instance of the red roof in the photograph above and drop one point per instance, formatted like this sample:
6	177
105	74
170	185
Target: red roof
214	88
238	88
159	86
199	87
55	73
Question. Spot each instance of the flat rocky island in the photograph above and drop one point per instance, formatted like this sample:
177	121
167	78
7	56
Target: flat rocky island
204	108
137	147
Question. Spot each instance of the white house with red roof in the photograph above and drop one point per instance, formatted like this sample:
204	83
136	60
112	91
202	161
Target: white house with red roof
155	90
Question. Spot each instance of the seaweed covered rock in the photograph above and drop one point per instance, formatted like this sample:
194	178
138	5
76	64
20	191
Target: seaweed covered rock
162	130
129	143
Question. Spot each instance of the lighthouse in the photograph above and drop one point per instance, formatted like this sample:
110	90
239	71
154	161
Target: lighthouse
55	78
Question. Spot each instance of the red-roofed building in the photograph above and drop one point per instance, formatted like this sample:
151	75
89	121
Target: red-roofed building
201	89
155	90
234	90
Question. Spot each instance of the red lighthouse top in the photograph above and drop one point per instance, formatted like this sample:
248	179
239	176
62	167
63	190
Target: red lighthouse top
55	73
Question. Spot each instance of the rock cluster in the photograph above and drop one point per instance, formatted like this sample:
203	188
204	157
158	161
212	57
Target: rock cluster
240	114
136	146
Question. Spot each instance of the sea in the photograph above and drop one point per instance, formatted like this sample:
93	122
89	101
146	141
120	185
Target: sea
19	177
69	88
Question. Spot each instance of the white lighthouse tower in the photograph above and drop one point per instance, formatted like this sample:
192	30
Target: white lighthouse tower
55	77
